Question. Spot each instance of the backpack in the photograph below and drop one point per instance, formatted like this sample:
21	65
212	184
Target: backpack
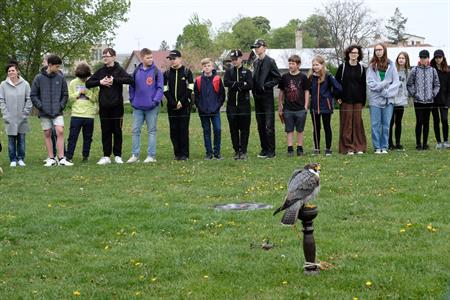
343	68
216	83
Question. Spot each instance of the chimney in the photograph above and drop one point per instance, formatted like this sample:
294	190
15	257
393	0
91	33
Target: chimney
298	39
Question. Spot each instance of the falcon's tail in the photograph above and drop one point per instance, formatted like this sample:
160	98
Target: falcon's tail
290	217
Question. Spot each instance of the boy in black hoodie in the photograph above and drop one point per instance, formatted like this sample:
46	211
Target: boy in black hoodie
110	78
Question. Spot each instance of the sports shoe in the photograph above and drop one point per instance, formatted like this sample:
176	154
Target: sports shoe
399	147
316	152
149	159
13	164
377	151
270	155
243	156
439	146
21	163
208	156
300	151
262	154
237	155
50	162
328	152
290	153
118	160
64	162
350	152
133	159
359	152
384	151
104	161
425	147
218	156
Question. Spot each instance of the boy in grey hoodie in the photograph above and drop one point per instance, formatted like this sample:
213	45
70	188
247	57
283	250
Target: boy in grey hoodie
423	84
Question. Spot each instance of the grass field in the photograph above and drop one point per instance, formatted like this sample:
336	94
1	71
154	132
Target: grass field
149	232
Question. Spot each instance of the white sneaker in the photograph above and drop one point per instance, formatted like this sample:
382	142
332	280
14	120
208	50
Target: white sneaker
359	152
118	160
377	151
21	163
446	145
440	146
50	162
384	151
133	159
13	164
64	162
104	161
149	159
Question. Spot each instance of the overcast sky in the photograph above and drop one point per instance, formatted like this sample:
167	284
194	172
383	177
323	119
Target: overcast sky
151	21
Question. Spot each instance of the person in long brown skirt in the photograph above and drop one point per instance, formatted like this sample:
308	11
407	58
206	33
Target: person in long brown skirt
352	76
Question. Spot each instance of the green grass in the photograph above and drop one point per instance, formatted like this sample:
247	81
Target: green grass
148	231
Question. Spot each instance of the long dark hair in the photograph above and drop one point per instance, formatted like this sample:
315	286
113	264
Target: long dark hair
443	67
407	63
379	63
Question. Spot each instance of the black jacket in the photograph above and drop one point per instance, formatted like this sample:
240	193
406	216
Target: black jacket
443	97
353	82
49	93
185	86
265	75
239	83
110	96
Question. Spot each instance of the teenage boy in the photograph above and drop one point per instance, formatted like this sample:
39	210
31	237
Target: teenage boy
293	103
239	82
110	78
265	77
145	97
49	95
178	87
209	98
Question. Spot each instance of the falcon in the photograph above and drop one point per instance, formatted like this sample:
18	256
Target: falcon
302	187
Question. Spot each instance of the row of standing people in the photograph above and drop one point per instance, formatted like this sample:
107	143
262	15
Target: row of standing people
388	92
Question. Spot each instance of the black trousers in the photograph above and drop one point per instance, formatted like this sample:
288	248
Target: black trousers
443	112
179	131
396	119
423	112
239	119
265	118
111	120
326	120
78	124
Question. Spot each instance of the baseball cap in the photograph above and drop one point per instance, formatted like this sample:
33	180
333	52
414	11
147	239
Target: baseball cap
235	53
259	43
174	53
424	54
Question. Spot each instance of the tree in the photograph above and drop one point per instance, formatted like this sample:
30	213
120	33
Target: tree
195	35
262	23
284	37
315	32
164	46
245	32
349	22
396	27
64	27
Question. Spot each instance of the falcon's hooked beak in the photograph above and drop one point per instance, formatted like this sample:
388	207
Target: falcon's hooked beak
317	168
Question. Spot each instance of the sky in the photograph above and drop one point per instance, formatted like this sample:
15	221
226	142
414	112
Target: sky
152	21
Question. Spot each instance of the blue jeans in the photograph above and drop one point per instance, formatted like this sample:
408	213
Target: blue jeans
207	120
16	147
380	119
150	117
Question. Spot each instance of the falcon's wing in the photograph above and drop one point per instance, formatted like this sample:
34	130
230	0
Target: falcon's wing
301	186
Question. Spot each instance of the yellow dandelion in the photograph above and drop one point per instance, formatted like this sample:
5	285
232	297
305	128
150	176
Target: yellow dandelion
106	247
355	298
285	282
402	230
369	284
430	227
166	204
206	276
138	293
49	205
76	293
154	279
433	230
133	233
141	277
138	264
409	225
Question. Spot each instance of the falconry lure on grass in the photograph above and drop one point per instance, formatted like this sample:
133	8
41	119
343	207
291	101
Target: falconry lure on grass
302	187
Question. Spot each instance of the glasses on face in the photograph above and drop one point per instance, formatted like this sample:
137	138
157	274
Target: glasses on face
106	56
354	52
379	49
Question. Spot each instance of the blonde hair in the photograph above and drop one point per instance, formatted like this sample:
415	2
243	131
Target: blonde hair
206	61
321	60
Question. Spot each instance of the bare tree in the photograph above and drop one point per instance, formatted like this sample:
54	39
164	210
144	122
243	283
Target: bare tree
349	22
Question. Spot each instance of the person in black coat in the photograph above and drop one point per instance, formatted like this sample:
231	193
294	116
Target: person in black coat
239	82
265	77
110	78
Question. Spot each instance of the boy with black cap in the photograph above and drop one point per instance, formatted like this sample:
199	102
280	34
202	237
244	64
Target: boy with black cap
265	77
423	85
178	87
239	82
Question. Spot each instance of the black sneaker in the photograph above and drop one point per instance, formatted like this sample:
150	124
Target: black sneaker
243	156
270	155
218	156
328	152
299	151
290	153
425	147
208	156
262	154
237	155
399	147
85	159
419	147
316	152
